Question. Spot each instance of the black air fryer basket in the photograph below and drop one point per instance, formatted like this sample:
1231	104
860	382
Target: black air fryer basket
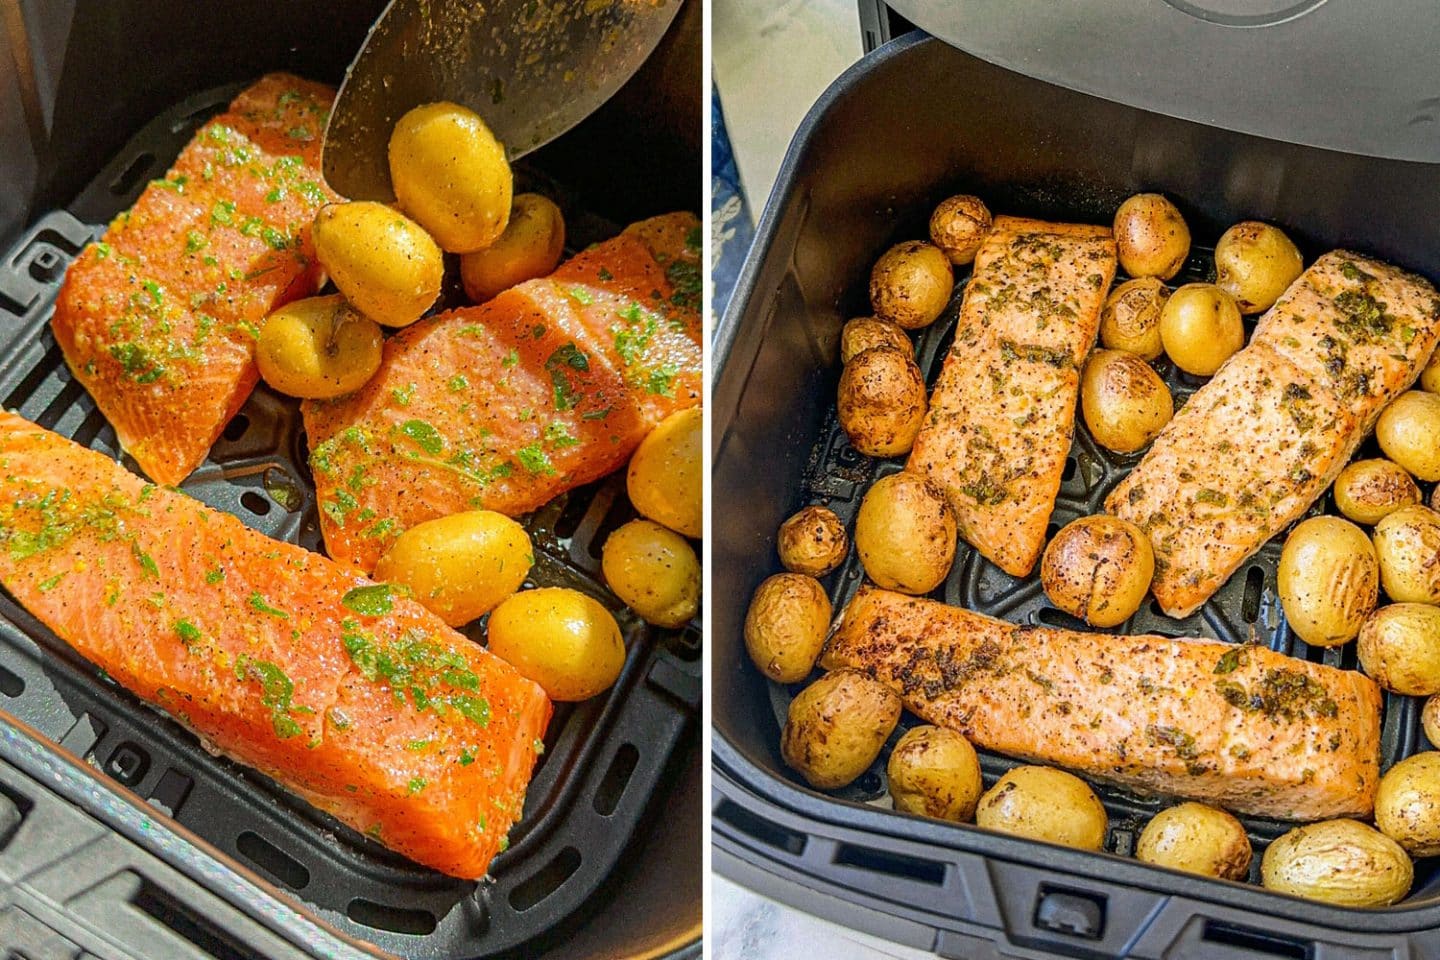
119	835
914	122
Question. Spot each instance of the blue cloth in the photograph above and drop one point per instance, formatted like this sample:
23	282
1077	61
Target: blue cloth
731	230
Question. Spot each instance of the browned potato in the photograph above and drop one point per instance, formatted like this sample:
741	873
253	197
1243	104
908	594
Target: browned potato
1407	805
1124	402
1400	648
530	247
1430	720
1254	263
1043	803
1099	569
1338	861
1130	319
1197	839
1430	376
1151	236
1200	327
905	533
1408	545
882	402
1369	490
1409	433
862	333
958	227
786	625
911	284
1435	498
813	542
1328	580
836	727
935	772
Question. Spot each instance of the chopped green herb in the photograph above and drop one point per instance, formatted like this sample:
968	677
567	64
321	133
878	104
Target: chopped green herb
535	459
581	296
403	395
467	758
372	601
415	785
45	586
511	358
195	241
147	563
565	358
223	212
189	633
661	380
458	383
1213	497
257	602
426	437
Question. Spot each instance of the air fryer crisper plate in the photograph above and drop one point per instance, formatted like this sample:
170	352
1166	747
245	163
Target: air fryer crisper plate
603	759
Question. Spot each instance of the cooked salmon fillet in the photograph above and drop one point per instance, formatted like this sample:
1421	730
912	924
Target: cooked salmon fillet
158	320
1245	728
360	701
1263	440
1003	411
502	406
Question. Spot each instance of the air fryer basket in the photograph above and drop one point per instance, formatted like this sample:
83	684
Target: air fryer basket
914	122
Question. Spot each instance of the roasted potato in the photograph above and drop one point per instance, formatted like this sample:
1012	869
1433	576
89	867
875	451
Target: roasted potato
1130	319
1043	803
318	348
665	479
1430	720
654	571
1400	648
1430	376
813	542
1254	263
1151	236
786	625
1369	490
1098	569
836	727
911	284
1200	328
905	534
936	773
958	227
450	174
1338	861
1407	805
1124	401
562	639
862	333
1197	839
1409	433
1329	580
382	261
460	566
530	247
1408	545
881	401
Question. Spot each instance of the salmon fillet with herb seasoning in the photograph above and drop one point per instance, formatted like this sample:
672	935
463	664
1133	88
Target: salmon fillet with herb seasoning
1263	440
1242	727
505	405
1003	410
159	320
360	701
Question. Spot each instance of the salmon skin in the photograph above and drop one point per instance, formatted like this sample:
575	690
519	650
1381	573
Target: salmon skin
1265	438
357	699
1003	411
1242	727
159	319
503	406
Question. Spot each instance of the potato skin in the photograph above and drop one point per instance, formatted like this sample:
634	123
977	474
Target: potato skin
1123	400
1196	838
1400	648
530	247
862	333
1043	803
1408	545
1151	236
1367	491
836	727
1430	376
665	479
384	263
1098	569
813	542
318	348
935	772
958	227
1130	319
1329	580
785	626
450	174
881	402
1407	805
1254	263
1200	328
562	639
1409	433
460	566
1430	720
1343	862
654	571
911	284
905	534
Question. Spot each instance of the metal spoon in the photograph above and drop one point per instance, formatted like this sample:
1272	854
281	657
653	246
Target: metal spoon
531	68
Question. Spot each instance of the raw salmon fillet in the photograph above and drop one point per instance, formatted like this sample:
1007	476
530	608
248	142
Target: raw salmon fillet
159	320
503	406
362	702
1242	727
1003	411
1264	439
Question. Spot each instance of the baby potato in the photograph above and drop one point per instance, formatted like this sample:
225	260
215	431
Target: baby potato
654	570
881	401
786	625
958	227
1124	401
1343	862
905	534
1151	236
665	477
1130	319
911	284
1430	376
813	542
1400	648
1408	545
382	261
836	727
1043	803
450	174
862	333
1430	720
1367	491
1098	569
1255	263
1197	839
318	348
1407	805
530	247
935	772
460	566
1329	580
1200	328
562	639
1409	433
